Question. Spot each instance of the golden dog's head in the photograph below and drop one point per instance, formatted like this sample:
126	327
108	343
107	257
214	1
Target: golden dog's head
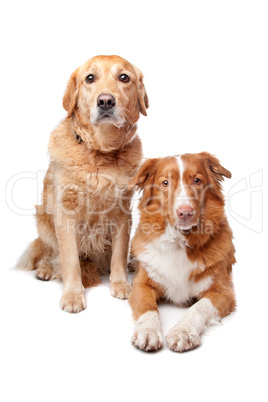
107	89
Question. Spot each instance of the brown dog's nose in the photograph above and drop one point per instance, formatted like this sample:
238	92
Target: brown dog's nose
106	102
185	212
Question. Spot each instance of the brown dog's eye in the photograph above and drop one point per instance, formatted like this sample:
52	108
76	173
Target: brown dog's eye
124	78
197	181
90	78
165	183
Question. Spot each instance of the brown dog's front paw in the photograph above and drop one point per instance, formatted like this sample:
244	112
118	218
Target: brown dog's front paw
120	290
180	339
73	302
148	335
147	339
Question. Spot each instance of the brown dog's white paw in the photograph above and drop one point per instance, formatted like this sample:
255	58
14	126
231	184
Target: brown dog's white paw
120	290
180	339
147	335
147	339
73	302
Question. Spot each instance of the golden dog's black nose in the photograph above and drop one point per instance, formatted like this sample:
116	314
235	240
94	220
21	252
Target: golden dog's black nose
106	101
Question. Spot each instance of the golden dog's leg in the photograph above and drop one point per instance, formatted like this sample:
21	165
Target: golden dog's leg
120	286
73	299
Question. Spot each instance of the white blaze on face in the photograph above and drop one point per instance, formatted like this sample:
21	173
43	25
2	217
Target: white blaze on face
182	198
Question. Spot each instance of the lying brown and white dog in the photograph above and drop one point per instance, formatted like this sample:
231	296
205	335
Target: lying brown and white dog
83	222
184	248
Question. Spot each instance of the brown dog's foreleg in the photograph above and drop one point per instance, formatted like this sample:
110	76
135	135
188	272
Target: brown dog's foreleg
143	300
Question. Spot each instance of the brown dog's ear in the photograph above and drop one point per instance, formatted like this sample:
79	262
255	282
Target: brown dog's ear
142	94
144	180
216	167
71	94
216	172
144	173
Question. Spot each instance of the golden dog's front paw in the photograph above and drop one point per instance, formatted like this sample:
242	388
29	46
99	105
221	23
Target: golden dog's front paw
180	339
73	302
120	290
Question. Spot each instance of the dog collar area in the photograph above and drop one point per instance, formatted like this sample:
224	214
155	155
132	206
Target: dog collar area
78	138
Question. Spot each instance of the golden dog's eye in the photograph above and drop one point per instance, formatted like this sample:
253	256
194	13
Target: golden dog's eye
197	181
165	183
90	78
124	78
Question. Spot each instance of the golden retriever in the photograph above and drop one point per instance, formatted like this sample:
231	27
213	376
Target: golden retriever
84	220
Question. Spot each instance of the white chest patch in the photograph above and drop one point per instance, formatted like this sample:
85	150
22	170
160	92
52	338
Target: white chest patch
166	262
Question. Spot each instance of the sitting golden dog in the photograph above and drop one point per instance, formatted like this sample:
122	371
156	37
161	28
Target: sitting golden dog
84	220
184	248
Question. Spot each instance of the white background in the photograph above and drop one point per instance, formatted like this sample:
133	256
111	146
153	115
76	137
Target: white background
206	67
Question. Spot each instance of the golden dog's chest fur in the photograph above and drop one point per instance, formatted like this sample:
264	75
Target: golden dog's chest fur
92	187
89	178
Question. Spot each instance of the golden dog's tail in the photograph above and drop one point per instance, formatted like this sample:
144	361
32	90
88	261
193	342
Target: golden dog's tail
31	256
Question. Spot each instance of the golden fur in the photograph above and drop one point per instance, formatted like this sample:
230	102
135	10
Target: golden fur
208	243
84	219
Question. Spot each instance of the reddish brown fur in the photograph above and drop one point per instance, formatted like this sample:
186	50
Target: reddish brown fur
209	240
145	294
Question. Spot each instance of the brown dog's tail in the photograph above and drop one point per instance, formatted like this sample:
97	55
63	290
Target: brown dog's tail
31	255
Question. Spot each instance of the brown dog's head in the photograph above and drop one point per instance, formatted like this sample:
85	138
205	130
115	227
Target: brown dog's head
183	191
107	89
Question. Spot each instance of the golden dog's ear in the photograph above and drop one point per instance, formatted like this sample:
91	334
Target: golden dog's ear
142	94
71	94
